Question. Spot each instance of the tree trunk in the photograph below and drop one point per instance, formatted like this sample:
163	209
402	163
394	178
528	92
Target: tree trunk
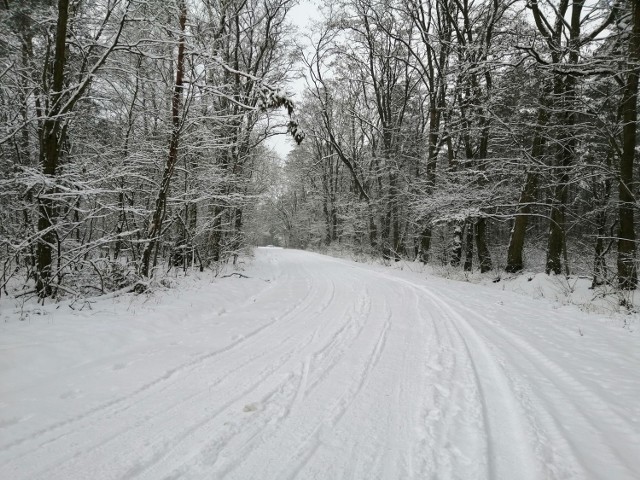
237	234
468	248
627	270
456	247
564	91
484	257
373	229
155	228
394	215
566	146
327	221
599	265
385	233
51	141
425	244
557	233
216	236
529	192
515	262
556	242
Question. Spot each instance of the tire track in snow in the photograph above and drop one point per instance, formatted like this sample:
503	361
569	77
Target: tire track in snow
327	357
454	418
274	367
570	389
273	426
533	409
306	451
373	455
168	375
108	410
347	386
162	379
340	337
333	347
310	421
507	456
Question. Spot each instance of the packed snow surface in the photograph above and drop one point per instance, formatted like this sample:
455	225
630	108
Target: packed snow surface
317	368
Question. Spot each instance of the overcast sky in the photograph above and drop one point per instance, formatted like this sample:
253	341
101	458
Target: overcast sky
301	15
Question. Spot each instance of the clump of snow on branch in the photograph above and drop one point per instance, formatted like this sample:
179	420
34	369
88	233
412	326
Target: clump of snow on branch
273	98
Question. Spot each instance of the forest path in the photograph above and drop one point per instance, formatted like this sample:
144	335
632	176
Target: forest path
319	368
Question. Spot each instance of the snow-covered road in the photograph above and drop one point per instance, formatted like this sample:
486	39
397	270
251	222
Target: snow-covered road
319	368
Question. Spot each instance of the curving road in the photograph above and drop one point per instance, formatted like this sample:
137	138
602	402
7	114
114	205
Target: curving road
318	368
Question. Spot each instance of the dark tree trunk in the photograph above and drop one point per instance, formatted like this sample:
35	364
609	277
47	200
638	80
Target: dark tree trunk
515	262
602	195
566	146
627	270
468	247
327	221
599	265
334	224
529	192
425	244
216	236
122	217
51	140
565	94
484	257
557	238
373	229
155	228
566	152
385	233
237	234
394	215
456	247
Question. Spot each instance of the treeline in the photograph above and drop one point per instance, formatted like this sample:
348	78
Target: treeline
482	134
131	135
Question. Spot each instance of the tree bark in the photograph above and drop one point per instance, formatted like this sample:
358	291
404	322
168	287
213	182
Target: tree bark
529	192
456	247
155	228
627	270
51	140
425	244
515	262
484	257
565	92
468	249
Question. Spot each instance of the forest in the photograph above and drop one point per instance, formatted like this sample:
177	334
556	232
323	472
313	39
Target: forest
490	135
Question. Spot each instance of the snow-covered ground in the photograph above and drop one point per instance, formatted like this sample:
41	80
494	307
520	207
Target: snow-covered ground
318	368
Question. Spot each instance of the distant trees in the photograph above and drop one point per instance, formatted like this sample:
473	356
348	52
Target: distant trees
469	131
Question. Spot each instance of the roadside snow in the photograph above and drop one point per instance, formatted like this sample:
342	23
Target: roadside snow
316	367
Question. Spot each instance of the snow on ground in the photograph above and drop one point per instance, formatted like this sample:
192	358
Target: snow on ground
575	289
560	289
317	368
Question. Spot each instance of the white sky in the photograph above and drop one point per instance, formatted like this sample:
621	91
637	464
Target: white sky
301	16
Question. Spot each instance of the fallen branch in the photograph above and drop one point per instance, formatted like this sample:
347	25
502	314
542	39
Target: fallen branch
235	273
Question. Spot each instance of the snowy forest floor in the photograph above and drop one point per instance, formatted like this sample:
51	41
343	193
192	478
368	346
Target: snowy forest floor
317	367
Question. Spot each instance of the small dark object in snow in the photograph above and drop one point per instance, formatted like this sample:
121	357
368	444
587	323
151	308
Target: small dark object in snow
496	280
250	407
235	273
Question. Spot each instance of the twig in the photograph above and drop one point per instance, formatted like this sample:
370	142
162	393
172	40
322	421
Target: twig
235	273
